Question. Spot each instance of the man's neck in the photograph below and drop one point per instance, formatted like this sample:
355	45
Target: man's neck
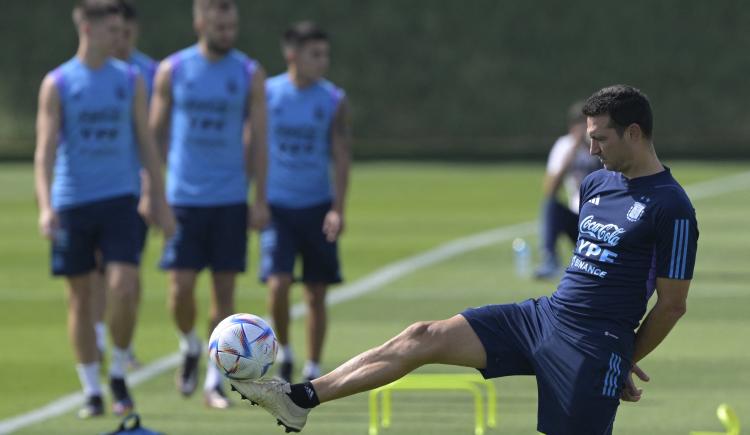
645	164
209	54
299	81
91	57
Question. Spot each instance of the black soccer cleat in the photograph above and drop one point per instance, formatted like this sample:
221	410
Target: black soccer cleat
122	403
94	407
186	378
284	373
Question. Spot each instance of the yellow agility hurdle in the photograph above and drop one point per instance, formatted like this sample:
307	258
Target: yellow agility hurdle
472	383
728	419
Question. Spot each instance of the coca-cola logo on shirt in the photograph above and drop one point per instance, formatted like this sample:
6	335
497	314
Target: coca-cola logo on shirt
607	233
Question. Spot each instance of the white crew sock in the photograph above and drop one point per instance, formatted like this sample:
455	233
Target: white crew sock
213	376
119	363
100	328
190	344
88	374
311	370
285	354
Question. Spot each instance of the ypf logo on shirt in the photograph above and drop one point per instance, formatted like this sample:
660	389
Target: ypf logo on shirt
636	211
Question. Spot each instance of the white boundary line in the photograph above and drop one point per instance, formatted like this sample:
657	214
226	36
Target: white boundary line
367	284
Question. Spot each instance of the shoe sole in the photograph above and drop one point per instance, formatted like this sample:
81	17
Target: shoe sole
287	428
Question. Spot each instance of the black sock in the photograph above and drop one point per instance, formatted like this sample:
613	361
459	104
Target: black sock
304	396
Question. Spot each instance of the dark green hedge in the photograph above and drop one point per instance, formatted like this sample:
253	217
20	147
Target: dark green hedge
455	79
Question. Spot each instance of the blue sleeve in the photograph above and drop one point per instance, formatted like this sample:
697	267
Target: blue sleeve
676	239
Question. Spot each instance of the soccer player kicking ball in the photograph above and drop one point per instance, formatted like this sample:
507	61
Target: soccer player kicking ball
637	234
308	130
92	113
204	96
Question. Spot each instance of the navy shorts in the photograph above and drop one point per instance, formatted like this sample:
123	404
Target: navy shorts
213	237
110	227
295	232
579	378
140	238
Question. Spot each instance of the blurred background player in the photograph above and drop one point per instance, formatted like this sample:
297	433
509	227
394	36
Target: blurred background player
124	49
204	96
568	164
92	113
308	129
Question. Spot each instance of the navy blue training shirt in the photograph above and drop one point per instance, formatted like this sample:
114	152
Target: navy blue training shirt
631	231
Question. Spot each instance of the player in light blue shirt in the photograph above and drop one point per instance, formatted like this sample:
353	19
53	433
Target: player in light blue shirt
204	97
92	137
637	235
309	135
124	49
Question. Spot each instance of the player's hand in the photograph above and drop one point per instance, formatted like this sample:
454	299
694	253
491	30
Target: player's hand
48	223
145	204
260	215
146	209
333	225
166	220
631	393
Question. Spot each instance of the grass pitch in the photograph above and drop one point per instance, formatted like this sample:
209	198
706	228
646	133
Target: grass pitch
396	210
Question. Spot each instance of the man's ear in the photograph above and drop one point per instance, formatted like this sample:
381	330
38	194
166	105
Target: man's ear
634	132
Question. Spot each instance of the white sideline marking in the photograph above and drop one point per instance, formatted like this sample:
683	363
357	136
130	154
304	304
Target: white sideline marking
367	284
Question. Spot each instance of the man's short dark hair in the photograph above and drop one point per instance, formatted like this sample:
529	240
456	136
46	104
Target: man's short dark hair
128	9
200	7
301	32
625	106
97	9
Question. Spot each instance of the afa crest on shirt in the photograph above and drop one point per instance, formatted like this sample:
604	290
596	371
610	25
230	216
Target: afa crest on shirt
636	211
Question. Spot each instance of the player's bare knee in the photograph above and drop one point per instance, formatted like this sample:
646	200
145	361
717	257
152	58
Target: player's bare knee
413	339
221	309
316	299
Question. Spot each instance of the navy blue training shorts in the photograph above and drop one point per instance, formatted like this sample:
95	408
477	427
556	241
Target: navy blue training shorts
213	237
294	232
109	226
579	379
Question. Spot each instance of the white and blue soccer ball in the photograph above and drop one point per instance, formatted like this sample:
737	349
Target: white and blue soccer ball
243	347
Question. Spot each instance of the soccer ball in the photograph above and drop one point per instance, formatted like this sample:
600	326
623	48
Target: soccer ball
243	347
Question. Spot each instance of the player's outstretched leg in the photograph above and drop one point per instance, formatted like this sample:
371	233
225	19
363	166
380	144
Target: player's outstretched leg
450	341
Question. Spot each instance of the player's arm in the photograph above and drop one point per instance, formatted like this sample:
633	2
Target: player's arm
676	247
671	304
256	153
555	174
341	141
47	128
149	157
161	107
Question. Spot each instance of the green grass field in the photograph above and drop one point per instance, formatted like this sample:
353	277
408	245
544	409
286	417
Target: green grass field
396	210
